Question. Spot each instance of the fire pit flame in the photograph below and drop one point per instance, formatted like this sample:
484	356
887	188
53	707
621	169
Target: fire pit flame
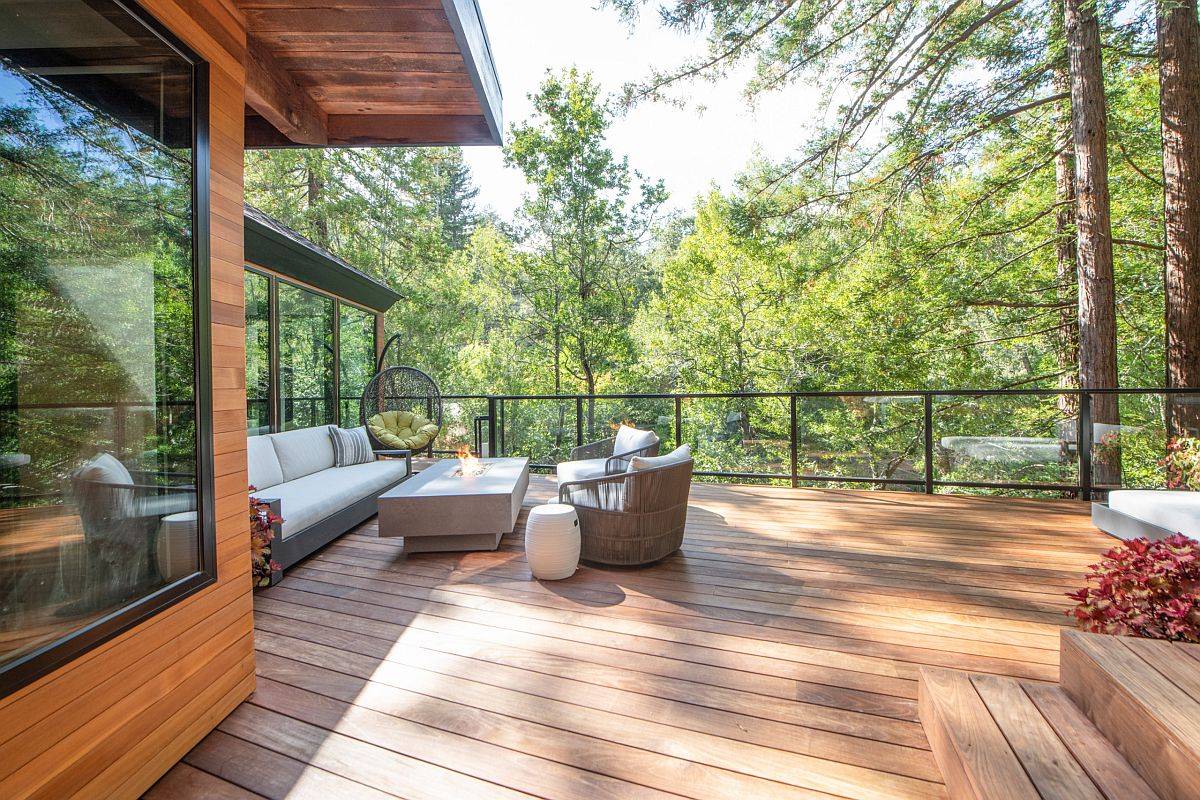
468	465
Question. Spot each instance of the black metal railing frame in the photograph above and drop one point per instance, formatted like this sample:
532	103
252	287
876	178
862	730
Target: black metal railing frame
494	421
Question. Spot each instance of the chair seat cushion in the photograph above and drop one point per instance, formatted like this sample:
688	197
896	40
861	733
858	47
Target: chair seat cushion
403	430
580	470
1178	512
308	500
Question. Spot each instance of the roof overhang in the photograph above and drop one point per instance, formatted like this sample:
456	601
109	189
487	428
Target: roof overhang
278	248
369	72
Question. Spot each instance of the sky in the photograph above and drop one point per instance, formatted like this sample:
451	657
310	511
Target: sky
690	149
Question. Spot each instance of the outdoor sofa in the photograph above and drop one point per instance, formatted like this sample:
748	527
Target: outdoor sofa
294	472
1152	513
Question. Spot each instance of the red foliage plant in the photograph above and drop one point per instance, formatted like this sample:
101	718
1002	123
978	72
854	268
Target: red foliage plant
262	531
1144	588
1182	463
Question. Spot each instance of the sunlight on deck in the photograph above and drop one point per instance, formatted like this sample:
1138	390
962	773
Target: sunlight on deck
775	656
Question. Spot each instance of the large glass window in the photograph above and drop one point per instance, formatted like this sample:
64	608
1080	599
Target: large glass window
258	353
356	360
99	508
306	377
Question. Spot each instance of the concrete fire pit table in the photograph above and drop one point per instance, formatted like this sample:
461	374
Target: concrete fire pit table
441	509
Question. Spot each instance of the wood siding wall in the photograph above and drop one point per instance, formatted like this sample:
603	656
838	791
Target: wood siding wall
111	722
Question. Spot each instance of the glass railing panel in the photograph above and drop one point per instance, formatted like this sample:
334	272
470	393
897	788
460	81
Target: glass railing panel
1029	439
866	439
541	430
462	426
748	436
1132	435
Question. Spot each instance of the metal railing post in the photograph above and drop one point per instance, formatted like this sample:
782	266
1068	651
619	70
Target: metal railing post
928	437
794	450
491	427
579	420
678	421
1084	436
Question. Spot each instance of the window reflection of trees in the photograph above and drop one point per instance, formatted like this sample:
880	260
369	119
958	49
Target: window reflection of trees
96	338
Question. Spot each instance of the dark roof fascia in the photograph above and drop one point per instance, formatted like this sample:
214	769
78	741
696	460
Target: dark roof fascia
471	34
275	246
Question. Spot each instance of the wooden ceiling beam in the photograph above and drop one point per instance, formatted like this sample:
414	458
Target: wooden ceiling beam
355	130
271	91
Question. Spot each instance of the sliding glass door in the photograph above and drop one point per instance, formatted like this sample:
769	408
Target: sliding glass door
309	356
306	353
258	352
356	360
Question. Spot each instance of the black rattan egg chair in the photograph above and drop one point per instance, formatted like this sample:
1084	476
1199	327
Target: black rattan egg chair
402	410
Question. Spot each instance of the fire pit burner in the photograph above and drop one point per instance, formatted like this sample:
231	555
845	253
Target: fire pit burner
471	471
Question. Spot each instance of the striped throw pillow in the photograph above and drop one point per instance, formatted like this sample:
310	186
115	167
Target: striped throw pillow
350	446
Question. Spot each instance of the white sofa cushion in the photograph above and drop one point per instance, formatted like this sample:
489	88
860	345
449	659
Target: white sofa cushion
303	451
580	470
681	453
261	463
312	498
1178	512
630	438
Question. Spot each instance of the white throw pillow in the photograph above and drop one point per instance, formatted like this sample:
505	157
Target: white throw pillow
106	469
97	499
681	453
630	439
350	446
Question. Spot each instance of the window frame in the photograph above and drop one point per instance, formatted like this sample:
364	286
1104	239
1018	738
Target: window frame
61	652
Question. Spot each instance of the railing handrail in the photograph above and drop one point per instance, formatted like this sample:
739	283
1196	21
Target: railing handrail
1083	487
833	393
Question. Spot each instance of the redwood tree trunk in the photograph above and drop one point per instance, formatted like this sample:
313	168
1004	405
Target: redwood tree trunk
1065	234
316	190
1179	81
1097	299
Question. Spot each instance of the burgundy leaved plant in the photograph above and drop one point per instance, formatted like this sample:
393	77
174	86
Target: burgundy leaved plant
1144	588
262	531
1182	463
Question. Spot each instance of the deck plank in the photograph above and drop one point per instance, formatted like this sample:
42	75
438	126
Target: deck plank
775	656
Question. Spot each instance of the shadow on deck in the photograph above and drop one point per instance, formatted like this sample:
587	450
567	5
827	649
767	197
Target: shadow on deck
776	655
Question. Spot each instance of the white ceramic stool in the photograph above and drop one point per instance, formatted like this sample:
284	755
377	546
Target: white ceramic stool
552	541
178	545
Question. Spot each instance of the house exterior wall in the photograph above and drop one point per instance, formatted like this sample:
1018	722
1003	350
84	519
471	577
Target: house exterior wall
111	722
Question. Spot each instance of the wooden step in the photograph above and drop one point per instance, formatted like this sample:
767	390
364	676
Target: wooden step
1144	696
1000	738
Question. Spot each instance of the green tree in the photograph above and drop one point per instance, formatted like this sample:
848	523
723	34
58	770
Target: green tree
581	228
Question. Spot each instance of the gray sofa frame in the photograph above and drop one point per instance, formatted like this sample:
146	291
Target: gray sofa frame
300	545
1123	526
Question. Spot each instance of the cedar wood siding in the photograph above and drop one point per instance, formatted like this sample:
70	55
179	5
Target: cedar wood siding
109	723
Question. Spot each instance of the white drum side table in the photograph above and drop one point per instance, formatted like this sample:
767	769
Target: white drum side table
178	545
552	541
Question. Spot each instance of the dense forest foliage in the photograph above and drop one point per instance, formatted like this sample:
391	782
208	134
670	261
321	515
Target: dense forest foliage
929	233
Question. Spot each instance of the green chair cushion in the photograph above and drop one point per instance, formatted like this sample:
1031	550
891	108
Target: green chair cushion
403	430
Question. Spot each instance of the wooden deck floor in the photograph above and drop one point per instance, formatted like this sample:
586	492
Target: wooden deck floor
775	657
